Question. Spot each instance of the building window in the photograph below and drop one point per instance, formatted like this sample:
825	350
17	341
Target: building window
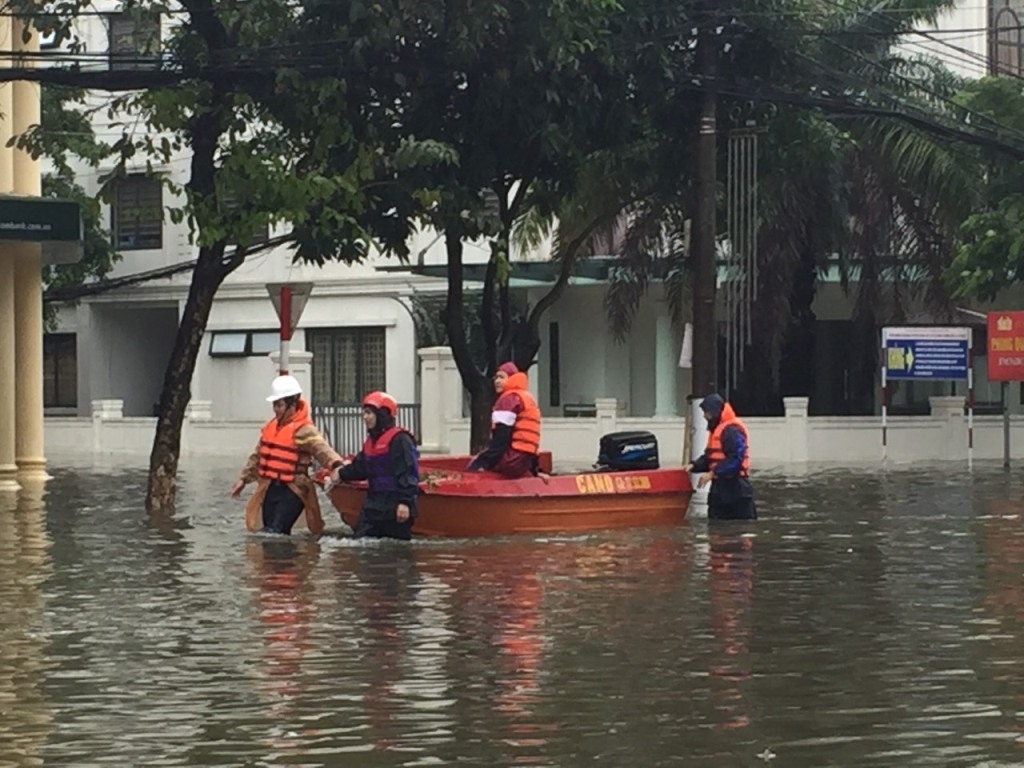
1005	41
244	343
134	41
137	216
60	371
347	363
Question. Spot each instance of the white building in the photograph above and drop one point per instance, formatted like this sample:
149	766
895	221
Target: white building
116	345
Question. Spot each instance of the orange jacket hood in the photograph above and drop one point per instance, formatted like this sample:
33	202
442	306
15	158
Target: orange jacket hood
728	414
516	381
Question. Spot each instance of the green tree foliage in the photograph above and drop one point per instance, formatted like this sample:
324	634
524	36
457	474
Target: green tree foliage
65	138
869	184
499	103
991	253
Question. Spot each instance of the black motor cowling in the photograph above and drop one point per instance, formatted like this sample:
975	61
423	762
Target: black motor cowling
628	451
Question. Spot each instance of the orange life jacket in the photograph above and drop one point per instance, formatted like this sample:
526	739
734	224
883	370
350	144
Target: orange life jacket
526	430
280	458
714	450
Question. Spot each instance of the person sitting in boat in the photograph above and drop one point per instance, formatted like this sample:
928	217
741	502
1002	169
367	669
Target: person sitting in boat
725	463
515	428
288	444
389	462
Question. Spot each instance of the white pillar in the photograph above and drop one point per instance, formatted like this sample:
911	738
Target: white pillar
698	429
110	409
607	415
441	396
949	410
698	441
199	410
431	399
796	427
666	363
453	391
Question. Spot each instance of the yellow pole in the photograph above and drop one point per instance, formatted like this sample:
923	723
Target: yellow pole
28	281
8	468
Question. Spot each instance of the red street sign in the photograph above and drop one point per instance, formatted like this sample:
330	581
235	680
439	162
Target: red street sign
292	301
1006	346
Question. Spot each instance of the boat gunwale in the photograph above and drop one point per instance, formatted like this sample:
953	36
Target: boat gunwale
493	486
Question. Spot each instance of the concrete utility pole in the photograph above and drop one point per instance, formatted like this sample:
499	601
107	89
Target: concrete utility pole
705	270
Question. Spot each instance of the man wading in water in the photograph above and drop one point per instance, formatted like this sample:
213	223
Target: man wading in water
725	463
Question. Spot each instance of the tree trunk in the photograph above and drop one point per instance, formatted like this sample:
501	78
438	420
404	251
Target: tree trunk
797	375
205	130
864	356
478	384
705	330
176	393
481	403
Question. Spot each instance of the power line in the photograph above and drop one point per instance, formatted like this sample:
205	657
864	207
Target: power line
830	103
239	5
74	292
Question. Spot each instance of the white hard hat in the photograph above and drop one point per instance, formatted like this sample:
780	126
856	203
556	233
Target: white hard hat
284	386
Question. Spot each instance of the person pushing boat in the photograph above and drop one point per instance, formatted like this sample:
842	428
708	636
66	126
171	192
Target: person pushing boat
725	463
515	428
389	462
289	443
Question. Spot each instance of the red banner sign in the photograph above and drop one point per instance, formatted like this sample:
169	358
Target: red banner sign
1006	346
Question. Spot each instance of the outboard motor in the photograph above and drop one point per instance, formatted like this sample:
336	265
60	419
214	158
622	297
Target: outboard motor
623	451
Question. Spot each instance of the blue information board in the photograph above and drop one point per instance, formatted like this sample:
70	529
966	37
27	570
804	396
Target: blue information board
938	354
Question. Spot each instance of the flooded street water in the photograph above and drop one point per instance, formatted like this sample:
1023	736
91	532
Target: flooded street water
869	619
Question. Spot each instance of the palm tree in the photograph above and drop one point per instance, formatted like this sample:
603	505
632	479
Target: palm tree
877	198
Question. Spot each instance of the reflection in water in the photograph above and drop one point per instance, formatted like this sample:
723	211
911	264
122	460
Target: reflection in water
1004	548
1001	618
26	717
285	604
731	585
522	644
511	623
387	583
869	620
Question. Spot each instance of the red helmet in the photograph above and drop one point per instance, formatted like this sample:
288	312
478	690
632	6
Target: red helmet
381	400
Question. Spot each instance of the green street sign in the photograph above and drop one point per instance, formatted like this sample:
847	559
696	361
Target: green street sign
39	220
55	224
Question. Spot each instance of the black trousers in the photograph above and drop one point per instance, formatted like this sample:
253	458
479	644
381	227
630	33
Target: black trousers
376	524
736	509
281	508
731	498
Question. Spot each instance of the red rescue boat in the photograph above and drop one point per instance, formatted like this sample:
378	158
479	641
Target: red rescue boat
457	503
